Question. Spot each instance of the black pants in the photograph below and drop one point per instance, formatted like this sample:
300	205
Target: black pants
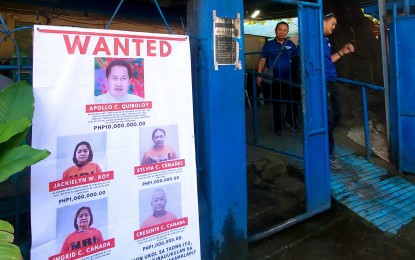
334	113
282	95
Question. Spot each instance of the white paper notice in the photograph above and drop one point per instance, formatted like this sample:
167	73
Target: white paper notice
114	108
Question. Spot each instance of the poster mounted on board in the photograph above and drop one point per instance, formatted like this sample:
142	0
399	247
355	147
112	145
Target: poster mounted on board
114	108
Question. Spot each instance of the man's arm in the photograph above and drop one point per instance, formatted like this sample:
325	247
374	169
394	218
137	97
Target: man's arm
347	48
294	39
260	68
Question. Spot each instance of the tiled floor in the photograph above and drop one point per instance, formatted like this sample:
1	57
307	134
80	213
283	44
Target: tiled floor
386	201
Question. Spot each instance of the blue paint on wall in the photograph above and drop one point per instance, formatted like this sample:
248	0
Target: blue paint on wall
220	132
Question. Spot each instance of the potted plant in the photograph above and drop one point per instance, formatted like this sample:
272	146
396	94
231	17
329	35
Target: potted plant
16	113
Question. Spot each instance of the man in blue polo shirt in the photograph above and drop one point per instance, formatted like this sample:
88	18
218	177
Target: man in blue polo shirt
329	24
281	89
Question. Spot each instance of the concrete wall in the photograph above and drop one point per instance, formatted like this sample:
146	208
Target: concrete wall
253	44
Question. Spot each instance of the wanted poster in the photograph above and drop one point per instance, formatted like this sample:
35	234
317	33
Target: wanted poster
114	108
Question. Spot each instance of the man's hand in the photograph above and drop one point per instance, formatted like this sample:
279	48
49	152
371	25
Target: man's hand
258	81
347	48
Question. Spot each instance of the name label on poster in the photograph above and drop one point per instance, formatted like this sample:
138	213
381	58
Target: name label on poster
92	249
145	232
159	166
118	106
82	180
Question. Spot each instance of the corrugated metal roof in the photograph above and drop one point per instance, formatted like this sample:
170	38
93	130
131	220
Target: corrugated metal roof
267	28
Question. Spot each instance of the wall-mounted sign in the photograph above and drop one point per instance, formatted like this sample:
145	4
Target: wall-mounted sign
227	33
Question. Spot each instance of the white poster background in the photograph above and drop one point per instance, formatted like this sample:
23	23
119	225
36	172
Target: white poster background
63	85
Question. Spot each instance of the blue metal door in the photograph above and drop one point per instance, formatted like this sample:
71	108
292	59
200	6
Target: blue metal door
317	177
404	94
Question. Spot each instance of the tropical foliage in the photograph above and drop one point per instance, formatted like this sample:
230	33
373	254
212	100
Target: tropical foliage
7	249
16	112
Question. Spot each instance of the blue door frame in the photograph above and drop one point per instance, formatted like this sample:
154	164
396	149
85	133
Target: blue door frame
219	107
402	92
316	148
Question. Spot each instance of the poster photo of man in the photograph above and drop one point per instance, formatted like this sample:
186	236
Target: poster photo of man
160	204
119	80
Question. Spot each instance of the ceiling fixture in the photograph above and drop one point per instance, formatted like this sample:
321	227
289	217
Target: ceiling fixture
255	14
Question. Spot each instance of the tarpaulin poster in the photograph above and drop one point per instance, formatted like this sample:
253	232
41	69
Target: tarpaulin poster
114	108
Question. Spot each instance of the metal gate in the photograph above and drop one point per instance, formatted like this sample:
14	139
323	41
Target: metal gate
314	110
313	90
403	93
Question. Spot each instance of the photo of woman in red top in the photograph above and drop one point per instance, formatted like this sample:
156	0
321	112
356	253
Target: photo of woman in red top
159	152
82	158
84	234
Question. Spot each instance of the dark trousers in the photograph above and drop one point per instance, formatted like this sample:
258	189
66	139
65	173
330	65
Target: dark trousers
282	95
334	113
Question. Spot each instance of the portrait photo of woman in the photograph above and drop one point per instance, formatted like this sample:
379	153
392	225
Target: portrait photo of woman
84	235
82	159
159	152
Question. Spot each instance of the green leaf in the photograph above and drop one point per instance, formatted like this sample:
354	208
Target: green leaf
13	127
17	140
6	226
16	102
10	251
6	237
18	158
